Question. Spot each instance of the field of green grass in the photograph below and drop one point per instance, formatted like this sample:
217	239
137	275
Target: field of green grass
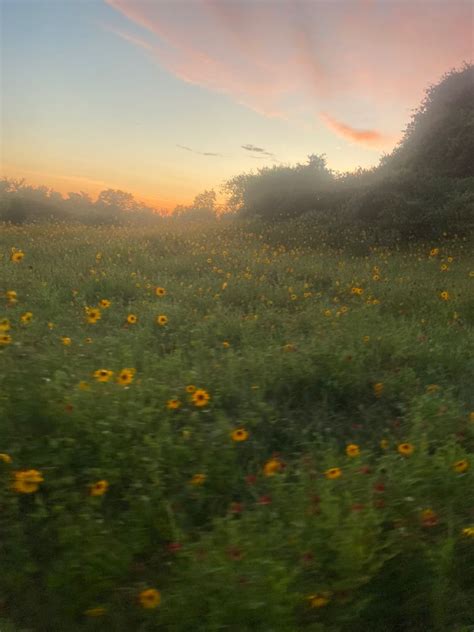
225	428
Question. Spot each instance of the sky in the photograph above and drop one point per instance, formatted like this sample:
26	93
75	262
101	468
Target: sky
168	98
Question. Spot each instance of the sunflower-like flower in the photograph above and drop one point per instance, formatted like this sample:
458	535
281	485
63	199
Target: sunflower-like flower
406	449
103	375
11	296
132	319
99	488
200	397
160	291
4	324
27	481
93	314
198	479
240	434
17	256
125	377
352	450
5	339
272	466
173	404
333	473
150	598
105	303
26	317
161	320
461	466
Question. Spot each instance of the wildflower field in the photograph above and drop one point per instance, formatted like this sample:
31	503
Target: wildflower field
230	428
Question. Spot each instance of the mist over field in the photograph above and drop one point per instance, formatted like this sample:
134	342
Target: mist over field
237	317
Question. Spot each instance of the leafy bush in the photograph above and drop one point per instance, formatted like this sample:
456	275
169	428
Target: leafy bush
421	190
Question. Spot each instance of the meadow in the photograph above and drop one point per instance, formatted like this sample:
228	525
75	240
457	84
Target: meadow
235	427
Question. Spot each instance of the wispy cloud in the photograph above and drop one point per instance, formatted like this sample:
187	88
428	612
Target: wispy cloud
258	150
132	39
201	153
367	137
313	54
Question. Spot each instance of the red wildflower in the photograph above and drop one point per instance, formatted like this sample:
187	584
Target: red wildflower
173	547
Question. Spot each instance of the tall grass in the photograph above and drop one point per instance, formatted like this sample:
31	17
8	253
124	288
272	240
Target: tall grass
307	349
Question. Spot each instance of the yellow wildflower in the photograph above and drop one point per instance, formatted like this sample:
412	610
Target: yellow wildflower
272	466
406	449
103	375
17	256
150	598
27	481
333	472
4	324
352	450
378	389
99	488
93	314
200	397
461	466
198	479
239	435
126	376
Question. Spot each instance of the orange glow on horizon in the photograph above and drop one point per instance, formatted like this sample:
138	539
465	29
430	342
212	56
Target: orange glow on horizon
64	184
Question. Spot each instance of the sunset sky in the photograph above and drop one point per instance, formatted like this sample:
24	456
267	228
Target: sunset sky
166	99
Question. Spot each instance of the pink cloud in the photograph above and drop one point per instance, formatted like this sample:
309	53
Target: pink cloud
366	137
264	55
